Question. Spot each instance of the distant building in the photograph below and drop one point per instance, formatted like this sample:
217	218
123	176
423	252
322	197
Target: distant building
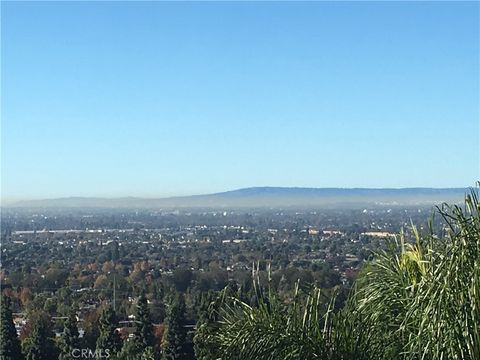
382	234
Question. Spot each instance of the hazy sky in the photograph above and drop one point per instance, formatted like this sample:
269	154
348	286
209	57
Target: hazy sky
154	99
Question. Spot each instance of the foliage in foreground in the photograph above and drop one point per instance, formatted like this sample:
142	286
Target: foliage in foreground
413	301
9	343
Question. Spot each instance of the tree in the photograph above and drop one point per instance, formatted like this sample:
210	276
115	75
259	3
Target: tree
144	329
182	279
115	254
108	339
206	327
40	346
131	350
25	295
270	329
37	345
423	297
92	332
148	354
9	343
55	277
70	336
174	340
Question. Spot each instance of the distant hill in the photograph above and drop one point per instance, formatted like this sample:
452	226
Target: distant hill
268	197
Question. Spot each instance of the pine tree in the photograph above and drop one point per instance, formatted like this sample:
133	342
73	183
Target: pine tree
9	343
131	350
70	337
144	329
40	345
175	336
37	349
108	339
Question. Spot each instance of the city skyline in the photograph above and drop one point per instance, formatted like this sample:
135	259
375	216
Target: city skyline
166	99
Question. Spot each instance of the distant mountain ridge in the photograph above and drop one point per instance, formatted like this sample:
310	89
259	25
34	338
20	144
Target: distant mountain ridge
271	190
268	197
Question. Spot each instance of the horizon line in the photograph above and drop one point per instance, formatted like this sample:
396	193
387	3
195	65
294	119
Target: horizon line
14	200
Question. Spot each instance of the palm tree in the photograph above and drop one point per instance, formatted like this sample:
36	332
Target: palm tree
423	300
303	329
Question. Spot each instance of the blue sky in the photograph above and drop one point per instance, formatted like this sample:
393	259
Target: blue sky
156	99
